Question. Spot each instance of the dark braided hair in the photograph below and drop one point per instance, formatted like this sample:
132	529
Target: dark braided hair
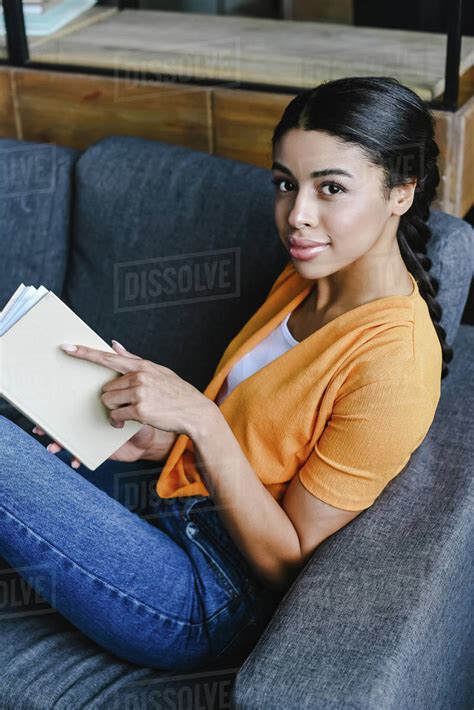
394	130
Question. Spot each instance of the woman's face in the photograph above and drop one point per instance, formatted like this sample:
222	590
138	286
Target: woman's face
343	208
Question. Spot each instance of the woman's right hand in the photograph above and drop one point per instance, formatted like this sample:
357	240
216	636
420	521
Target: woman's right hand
148	443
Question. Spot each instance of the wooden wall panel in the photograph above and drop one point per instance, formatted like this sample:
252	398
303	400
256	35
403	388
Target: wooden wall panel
8	128
243	123
443	137
76	110
455	138
466	86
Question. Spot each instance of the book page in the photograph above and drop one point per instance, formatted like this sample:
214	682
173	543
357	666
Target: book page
19	304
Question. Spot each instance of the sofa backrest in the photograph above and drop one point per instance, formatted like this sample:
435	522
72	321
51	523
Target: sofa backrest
201	228
35	210
451	250
35	213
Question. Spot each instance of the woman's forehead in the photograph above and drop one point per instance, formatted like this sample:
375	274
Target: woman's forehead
310	146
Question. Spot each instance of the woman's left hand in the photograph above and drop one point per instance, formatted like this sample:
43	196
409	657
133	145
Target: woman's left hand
146	393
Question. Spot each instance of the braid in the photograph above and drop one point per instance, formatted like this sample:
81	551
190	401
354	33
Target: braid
413	236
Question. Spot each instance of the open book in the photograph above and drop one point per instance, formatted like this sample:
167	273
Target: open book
58	392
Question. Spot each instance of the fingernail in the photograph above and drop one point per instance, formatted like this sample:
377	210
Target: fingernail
119	344
68	347
75	464
34	430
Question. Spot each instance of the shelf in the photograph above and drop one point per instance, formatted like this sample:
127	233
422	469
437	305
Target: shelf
174	46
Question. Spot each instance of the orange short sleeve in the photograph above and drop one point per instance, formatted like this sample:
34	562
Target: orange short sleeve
369	438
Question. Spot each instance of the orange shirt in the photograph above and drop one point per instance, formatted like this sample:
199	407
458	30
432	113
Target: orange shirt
344	409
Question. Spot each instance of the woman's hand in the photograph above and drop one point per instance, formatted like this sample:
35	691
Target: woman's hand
147	393
148	443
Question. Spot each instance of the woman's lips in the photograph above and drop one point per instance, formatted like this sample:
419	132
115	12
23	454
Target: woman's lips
306	253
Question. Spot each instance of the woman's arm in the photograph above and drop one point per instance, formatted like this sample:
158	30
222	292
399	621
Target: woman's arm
276	541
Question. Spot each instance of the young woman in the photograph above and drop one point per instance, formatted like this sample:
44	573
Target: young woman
314	407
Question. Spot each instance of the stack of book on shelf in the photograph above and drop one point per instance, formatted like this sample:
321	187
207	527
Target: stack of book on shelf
43	17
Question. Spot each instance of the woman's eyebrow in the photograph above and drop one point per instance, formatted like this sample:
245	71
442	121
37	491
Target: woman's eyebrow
316	173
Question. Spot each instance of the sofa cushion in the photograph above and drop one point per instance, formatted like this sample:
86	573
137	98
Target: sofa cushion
35	207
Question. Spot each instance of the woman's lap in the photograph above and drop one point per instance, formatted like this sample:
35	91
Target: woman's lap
133	572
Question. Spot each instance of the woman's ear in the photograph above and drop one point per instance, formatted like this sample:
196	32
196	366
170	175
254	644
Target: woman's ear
402	197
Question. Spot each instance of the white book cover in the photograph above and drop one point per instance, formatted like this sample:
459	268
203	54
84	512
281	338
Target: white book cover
54	390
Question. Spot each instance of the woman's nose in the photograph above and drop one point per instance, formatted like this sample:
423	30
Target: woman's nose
302	214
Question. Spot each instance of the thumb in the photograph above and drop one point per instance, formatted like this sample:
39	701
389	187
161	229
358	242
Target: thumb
118	347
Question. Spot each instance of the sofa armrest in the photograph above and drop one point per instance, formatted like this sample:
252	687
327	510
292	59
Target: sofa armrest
379	616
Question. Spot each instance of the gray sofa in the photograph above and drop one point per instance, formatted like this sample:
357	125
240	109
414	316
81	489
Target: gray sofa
379	618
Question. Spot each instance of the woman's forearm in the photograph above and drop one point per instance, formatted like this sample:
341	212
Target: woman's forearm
256	522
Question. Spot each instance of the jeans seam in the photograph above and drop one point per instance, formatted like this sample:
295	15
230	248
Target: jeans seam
230	587
138	602
232	557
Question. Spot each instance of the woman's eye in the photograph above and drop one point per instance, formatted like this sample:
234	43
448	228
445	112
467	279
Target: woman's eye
284	185
336	185
279	181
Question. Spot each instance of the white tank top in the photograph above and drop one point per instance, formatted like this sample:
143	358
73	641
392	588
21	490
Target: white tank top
275	344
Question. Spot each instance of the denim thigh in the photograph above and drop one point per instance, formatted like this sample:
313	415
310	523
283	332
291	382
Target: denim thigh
234	605
224	573
229	594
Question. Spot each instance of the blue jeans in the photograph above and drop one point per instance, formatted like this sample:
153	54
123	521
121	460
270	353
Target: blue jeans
158	582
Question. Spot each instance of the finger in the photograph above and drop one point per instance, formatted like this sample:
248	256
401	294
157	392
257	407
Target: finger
119	383
37	430
121	350
120	363
54	448
117	398
123	414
